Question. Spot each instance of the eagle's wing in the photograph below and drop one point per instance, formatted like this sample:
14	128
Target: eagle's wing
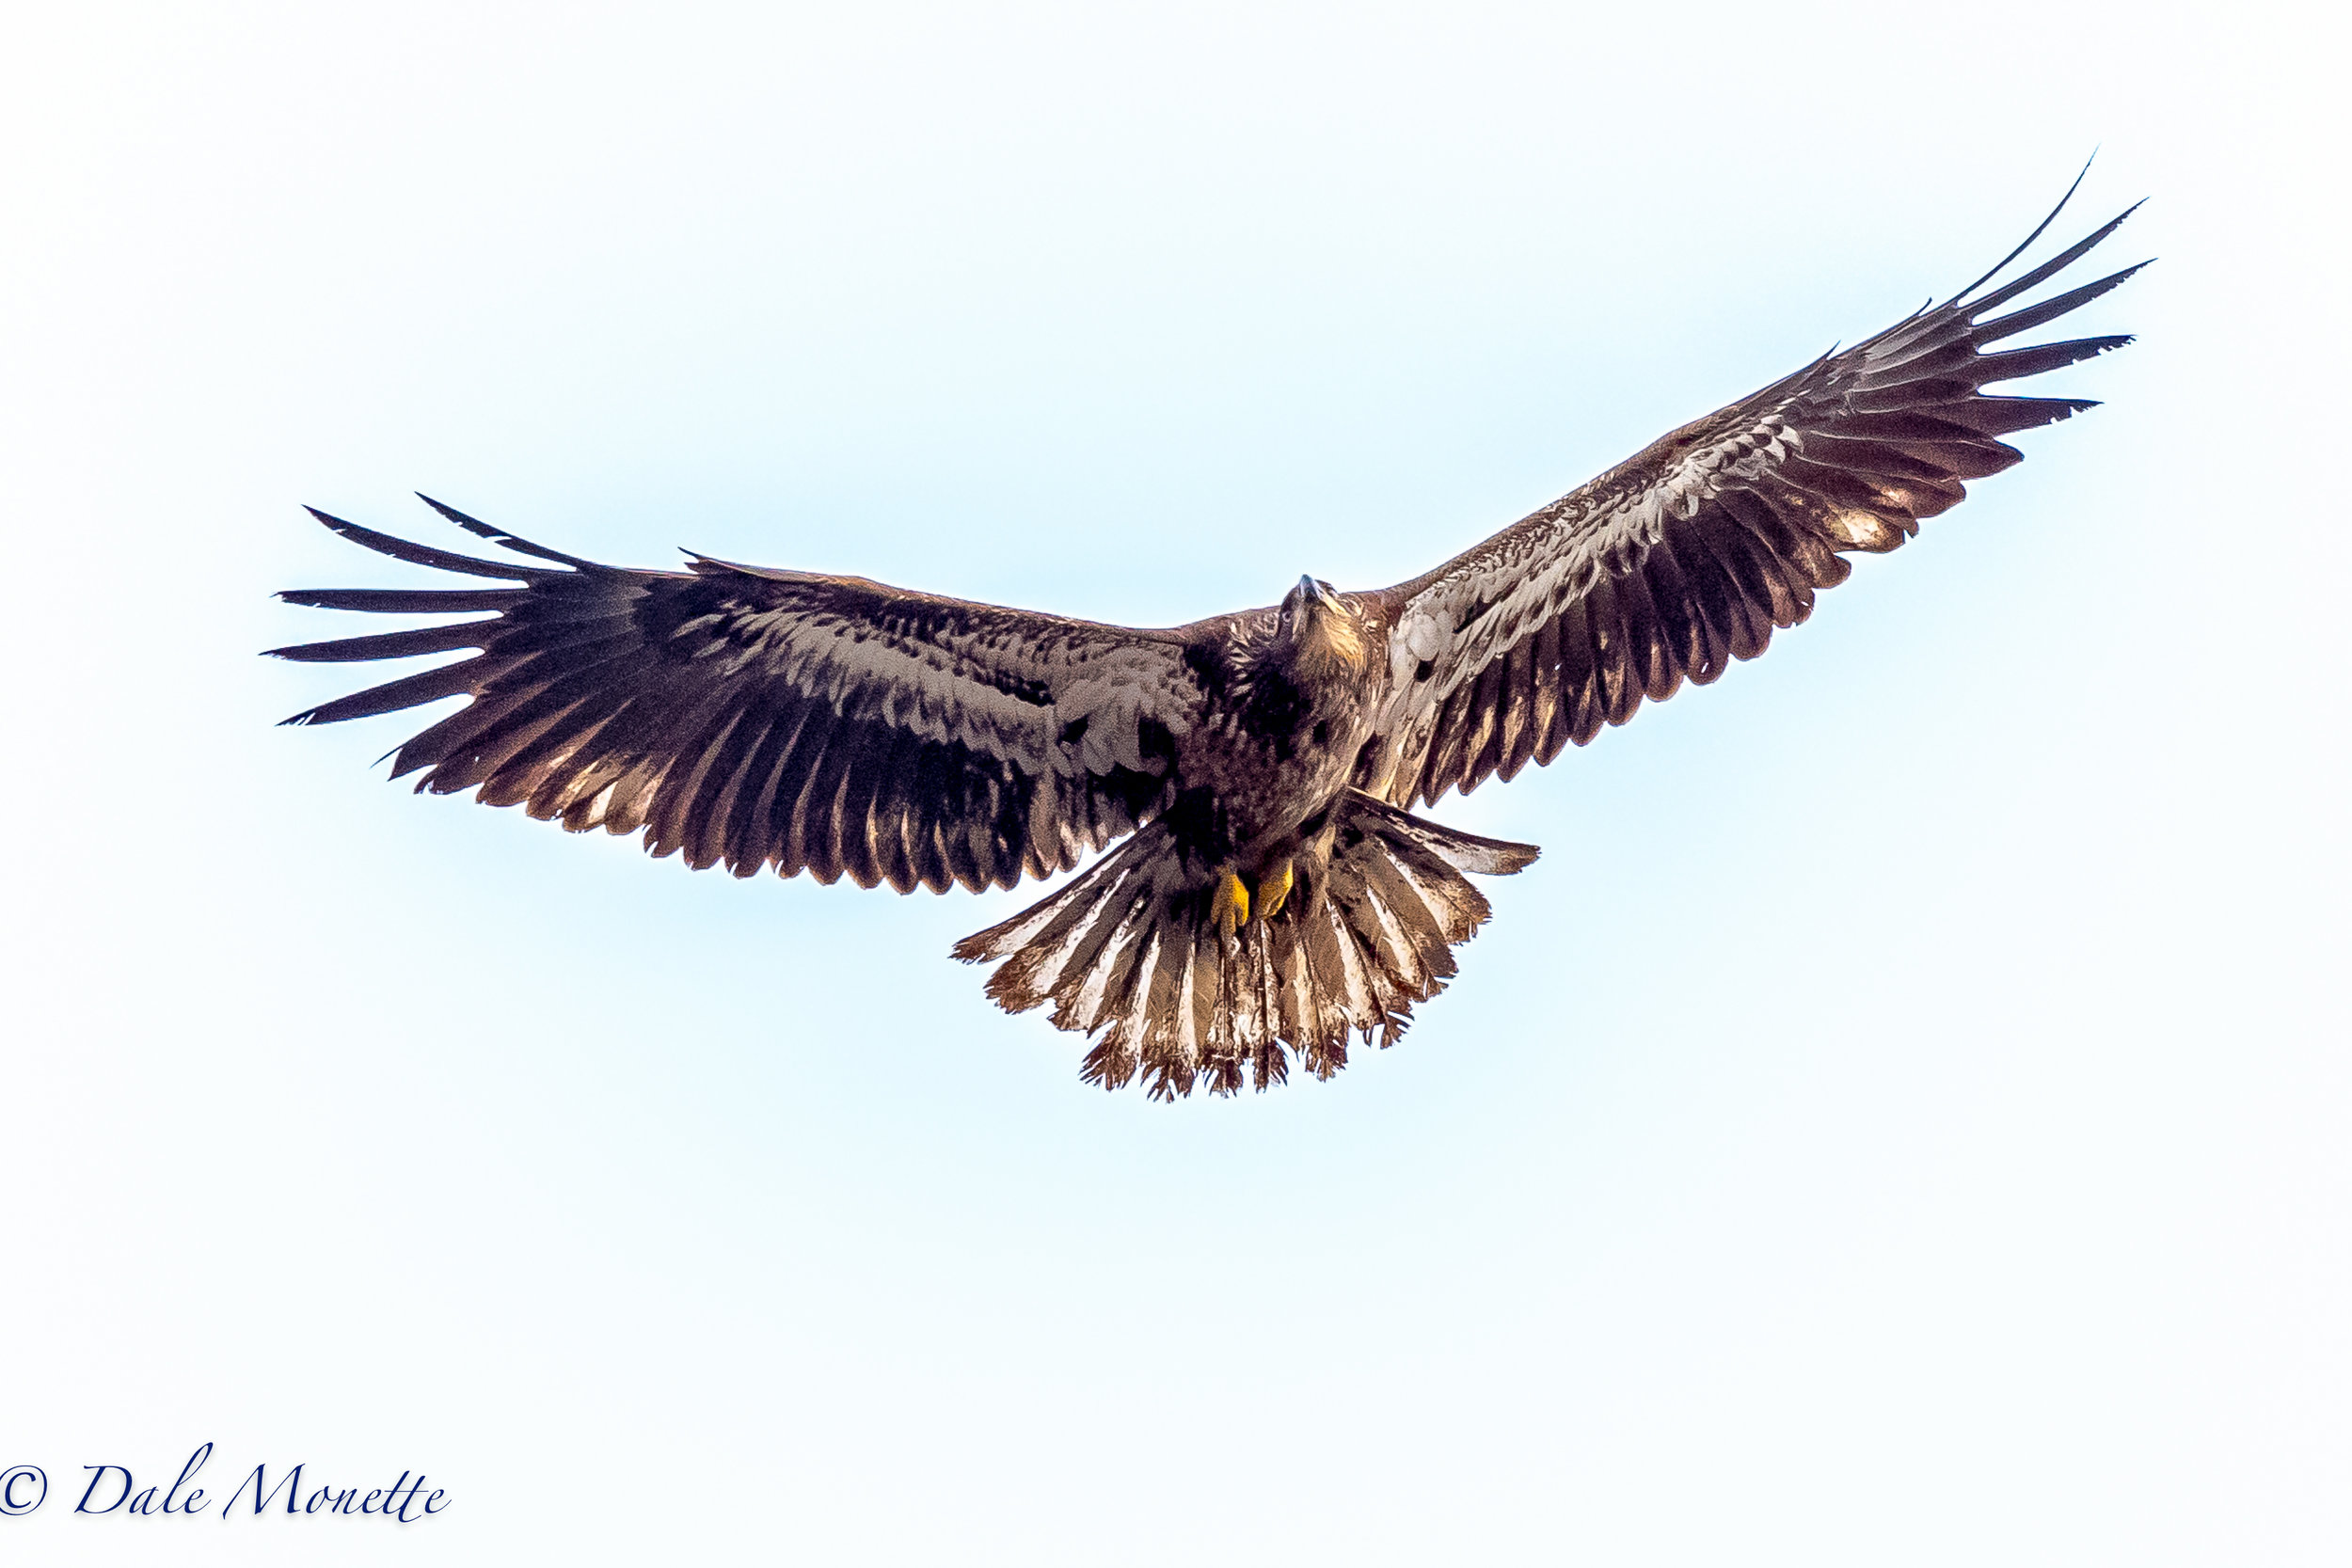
777	718
1688	556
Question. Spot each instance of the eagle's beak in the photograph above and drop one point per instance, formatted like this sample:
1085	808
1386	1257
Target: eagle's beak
1311	592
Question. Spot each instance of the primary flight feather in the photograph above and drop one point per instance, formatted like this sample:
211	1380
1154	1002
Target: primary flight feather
1274	895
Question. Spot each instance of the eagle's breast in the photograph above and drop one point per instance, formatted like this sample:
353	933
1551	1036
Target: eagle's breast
1289	718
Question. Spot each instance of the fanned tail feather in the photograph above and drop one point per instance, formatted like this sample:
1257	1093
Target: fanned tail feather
1128	954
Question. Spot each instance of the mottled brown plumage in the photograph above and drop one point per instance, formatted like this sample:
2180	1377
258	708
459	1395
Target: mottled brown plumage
1274	897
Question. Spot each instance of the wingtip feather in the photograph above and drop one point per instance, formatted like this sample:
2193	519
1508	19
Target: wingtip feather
497	535
2039	230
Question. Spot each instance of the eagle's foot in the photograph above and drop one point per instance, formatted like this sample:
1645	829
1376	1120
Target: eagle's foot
1229	905
1274	888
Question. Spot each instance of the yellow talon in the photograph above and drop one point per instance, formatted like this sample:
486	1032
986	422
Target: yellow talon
1229	905
1274	890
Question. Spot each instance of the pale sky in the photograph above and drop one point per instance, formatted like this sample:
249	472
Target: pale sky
1902	1118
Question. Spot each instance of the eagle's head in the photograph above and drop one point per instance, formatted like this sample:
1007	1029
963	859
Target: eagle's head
1321	632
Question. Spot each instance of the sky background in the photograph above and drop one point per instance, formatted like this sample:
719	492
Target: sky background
1901	1118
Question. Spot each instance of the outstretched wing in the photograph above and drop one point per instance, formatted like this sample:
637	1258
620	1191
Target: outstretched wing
777	718
1687	557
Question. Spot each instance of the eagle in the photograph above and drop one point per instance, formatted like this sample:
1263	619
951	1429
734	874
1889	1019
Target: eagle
1276	894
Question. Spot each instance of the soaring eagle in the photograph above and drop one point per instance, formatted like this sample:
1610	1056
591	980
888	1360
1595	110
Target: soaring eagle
1275	894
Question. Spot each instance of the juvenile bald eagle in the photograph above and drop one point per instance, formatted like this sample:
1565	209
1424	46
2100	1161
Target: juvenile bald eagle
1275	894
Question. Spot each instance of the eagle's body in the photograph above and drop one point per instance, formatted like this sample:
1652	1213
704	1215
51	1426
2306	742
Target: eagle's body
1294	695
1274	894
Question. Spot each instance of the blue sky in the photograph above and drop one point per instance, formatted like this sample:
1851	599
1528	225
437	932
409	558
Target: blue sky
1901	1118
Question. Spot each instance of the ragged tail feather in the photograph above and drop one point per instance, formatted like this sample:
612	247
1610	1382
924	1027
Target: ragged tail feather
1128	951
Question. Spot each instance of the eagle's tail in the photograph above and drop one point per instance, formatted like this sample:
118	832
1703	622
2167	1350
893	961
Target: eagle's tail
1129	951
